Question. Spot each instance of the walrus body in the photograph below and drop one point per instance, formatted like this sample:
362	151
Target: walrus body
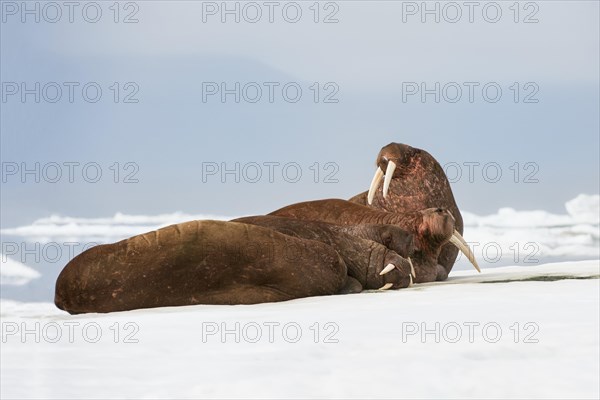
366	249
431	228
417	182
217	262
314	248
199	262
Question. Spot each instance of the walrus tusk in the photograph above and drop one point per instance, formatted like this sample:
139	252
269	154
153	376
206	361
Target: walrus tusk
389	173
375	184
412	269
387	269
386	286
459	242
390	267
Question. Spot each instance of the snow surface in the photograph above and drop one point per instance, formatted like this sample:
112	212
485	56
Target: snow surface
15	273
104	230
373	353
521	236
536	235
375	344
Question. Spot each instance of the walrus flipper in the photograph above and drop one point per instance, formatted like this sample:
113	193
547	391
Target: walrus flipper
365	259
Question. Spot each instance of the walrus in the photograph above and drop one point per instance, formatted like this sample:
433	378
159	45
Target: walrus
191	263
220	262
412	180
432	229
359	246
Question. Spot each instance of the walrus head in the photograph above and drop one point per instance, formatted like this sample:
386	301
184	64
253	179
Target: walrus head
393	160
419	183
437	226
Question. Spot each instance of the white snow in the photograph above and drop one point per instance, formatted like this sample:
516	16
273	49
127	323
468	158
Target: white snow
104	230
547	345
15	273
524	236
583	209
429	341
530	236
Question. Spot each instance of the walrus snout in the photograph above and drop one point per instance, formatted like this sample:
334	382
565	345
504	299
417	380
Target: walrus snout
438	224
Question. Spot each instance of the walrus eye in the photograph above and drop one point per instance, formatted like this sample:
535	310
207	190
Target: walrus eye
439	210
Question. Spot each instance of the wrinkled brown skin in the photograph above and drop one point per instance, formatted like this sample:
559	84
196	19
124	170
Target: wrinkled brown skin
431	228
392	237
217	262
364	257
198	262
419	182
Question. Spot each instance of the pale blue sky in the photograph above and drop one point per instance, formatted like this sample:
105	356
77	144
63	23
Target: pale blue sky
369	53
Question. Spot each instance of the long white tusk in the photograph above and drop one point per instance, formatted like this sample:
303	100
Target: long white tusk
412	268
411	280
459	242
389	173
375	184
386	286
387	269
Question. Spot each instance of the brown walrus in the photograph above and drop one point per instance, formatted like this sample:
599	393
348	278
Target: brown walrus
412	180
194	263
432	229
218	262
361	247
